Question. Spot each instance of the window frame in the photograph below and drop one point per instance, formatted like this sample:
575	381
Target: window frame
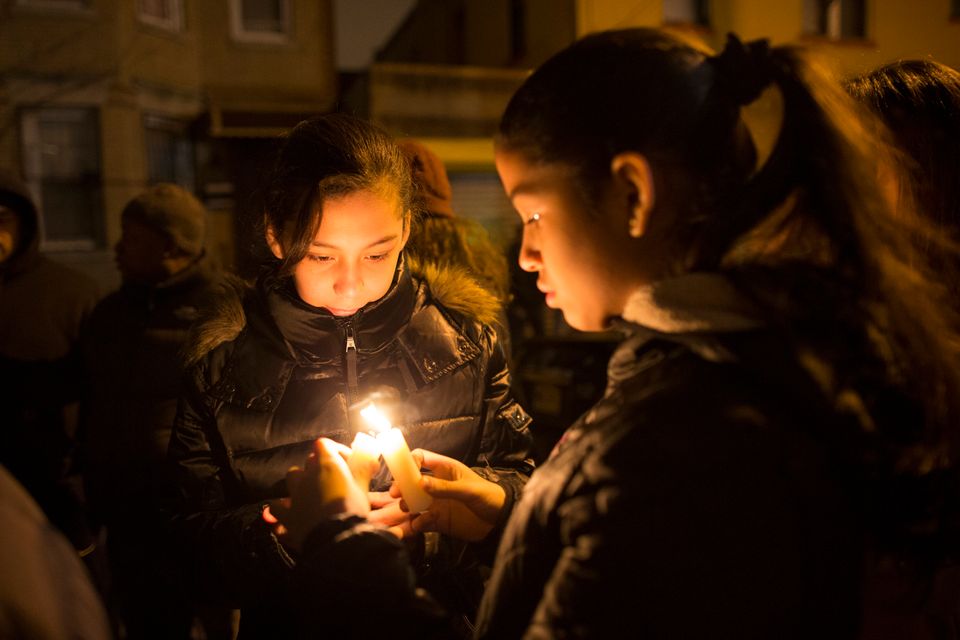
31	161
175	24
838	36
240	34
694	23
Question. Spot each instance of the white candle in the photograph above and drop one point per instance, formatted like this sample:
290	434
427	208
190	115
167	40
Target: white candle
364	454
397	455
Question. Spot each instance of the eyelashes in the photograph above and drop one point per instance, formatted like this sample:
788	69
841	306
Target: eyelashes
535	217
380	257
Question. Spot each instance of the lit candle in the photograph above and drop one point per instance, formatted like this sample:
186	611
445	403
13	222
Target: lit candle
397	455
363	459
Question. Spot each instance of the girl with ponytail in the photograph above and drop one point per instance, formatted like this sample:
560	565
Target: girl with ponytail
783	407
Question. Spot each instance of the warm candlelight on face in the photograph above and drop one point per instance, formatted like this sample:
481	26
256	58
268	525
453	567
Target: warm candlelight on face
396	454
363	459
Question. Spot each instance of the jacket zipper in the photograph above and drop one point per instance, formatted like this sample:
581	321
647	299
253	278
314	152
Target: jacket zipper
351	360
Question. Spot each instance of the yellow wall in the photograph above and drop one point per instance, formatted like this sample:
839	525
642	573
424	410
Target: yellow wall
896	29
304	64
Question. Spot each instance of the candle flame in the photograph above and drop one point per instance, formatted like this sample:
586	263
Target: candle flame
376	419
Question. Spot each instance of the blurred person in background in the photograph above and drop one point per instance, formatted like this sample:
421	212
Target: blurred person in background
132	361
914	583
43	305
919	102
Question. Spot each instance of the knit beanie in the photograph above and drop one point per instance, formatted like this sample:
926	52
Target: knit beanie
174	211
431	178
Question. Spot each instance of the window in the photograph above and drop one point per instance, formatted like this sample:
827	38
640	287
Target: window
165	14
170	156
61	152
265	21
57	5
835	19
695	12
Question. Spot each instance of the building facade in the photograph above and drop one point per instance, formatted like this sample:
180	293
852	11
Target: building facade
101	98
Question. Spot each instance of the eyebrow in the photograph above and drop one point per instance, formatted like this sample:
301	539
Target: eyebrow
525	188
383	240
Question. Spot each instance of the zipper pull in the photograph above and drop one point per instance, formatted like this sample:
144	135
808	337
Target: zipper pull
351	361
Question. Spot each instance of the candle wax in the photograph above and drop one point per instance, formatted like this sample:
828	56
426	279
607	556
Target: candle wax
397	455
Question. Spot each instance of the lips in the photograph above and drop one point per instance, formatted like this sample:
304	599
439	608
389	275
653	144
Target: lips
342	312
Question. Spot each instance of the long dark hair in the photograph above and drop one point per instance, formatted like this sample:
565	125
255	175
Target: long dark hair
324	157
808	235
919	101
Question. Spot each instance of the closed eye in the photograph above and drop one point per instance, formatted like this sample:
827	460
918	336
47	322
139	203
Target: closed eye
317	258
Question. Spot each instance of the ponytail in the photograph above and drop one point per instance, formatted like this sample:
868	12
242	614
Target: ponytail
818	202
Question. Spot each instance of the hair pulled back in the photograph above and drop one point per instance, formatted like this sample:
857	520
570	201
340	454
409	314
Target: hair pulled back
808	236
326	157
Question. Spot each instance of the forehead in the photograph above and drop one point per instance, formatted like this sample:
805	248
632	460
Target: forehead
523	177
359	214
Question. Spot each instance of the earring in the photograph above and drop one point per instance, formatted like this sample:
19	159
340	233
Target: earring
635	228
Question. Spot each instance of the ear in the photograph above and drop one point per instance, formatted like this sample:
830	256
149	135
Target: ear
632	174
273	242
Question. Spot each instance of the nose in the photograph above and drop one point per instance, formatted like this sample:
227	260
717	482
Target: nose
529	259
347	283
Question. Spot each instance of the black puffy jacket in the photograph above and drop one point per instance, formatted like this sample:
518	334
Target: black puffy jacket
272	374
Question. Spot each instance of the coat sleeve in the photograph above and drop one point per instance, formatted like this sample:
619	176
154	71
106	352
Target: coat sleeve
362	572
229	553
505	444
705	531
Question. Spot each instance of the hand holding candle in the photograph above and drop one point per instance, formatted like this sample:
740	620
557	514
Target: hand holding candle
396	454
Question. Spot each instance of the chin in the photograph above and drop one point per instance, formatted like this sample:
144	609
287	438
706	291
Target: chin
583	323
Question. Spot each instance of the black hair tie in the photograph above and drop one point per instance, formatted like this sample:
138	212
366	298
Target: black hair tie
744	70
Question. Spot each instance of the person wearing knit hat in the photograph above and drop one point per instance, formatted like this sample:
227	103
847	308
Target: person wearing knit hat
438	236
431	178
163	233
131	357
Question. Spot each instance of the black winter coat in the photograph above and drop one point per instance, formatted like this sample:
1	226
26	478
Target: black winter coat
272	374
132	348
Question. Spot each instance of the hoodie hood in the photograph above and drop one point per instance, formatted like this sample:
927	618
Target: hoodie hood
15	195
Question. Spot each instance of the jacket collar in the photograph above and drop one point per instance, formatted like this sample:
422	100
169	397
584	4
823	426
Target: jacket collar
694	311
200	270
315	335
691	303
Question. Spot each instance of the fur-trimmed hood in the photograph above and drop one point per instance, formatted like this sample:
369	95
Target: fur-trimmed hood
450	287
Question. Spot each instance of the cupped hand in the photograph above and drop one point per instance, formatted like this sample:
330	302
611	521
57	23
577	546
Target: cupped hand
466	506
322	489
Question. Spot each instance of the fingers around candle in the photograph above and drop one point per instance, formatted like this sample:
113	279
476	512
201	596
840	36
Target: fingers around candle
268	516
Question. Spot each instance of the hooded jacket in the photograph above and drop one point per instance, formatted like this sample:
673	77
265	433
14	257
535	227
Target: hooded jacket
43	305
271	374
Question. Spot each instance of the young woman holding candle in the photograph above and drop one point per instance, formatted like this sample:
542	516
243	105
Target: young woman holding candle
784	403
337	317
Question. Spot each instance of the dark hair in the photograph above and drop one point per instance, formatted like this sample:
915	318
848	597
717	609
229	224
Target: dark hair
325	157
810	221
919	101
